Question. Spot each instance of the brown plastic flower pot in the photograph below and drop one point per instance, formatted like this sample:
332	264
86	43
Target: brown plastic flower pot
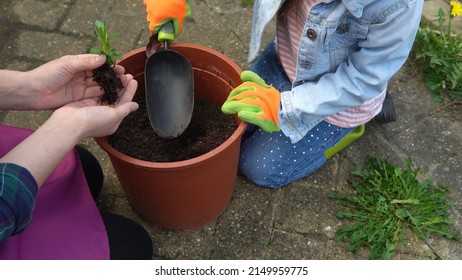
191	193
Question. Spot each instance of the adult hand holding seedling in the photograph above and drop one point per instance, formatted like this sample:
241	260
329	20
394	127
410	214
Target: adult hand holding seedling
56	83
65	82
87	118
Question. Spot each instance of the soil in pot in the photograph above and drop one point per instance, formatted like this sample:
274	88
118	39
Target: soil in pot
208	129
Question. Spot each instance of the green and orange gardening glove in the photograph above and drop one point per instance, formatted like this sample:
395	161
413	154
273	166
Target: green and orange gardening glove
254	102
159	12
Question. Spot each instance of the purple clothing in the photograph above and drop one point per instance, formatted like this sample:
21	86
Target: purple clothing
66	224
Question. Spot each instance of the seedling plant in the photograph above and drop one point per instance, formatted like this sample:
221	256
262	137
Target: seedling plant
105	75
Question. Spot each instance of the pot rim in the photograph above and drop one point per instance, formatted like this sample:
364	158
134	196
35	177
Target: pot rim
103	142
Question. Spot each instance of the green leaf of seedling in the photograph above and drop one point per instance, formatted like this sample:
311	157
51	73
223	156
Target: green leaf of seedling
112	36
95	50
99	24
104	39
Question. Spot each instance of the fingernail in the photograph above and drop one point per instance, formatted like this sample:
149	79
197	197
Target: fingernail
100	58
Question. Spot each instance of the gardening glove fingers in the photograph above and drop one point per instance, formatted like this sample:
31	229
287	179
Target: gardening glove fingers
159	12
254	102
250	76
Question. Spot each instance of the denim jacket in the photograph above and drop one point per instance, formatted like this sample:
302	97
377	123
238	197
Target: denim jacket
349	51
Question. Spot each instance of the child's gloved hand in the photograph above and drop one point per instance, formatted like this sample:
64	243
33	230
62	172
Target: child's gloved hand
160	12
254	102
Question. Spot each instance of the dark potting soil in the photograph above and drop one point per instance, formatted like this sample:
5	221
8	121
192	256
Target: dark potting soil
109	83
208	129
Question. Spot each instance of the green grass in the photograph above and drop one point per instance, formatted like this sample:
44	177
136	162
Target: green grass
246	2
387	202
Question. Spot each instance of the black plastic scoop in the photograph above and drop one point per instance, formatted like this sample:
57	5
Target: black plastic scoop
169	88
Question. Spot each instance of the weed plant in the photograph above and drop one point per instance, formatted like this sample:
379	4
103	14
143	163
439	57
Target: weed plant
440	51
387	202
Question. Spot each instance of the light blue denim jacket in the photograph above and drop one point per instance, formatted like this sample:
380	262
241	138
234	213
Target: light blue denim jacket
358	45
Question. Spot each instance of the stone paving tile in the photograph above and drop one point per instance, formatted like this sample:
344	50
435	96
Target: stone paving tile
294	246
244	229
54	45
40	14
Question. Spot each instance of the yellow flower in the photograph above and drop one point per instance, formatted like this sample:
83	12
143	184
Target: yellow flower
456	8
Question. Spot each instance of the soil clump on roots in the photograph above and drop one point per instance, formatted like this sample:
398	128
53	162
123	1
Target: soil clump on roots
108	82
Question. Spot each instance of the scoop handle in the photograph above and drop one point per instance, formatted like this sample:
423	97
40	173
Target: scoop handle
166	32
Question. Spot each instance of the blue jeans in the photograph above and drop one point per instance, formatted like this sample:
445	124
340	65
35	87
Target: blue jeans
270	159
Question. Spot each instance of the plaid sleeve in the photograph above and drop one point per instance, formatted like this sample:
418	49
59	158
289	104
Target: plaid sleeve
18	191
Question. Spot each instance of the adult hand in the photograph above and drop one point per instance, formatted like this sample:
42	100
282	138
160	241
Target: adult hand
64	80
41	152
89	118
160	12
254	102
